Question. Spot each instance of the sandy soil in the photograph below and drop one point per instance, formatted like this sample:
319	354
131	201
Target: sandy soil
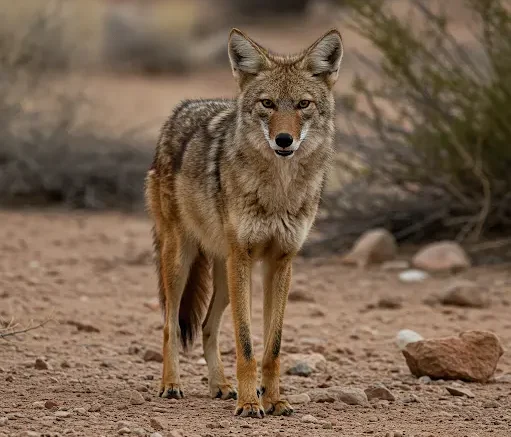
96	270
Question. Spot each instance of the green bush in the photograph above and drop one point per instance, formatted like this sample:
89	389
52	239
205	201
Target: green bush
438	156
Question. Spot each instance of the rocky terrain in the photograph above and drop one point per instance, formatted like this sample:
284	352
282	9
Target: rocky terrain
93	369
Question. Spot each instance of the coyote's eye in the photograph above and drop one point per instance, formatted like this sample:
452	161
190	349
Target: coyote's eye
267	103
304	104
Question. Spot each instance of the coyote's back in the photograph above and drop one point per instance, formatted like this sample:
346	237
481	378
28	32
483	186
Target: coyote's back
234	182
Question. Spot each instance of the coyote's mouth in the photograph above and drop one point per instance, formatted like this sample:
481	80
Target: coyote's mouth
284	152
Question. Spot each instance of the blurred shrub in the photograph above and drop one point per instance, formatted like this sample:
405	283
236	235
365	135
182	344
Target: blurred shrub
46	155
438	154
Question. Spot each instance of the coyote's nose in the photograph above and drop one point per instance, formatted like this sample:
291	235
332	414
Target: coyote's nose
284	140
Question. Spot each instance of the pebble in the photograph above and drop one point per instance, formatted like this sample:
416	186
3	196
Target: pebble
81	411
95	407
309	418
50	404
300	369
350	396
379	391
407	336
124	430
302	398
156	423
373	246
153	355
442	256
139	431
459	391
321	395
413	275
466	294
38	404
62	414
224	424
425	379
40	364
156	434
134	397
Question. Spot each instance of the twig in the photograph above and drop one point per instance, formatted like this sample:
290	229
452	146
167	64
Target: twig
12	333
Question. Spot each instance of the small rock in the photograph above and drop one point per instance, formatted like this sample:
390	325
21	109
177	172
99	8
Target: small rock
300	296
95	407
407	336
395	265
50	405
132	396
156	434
302	398
152	355
139	431
379	392
350	396
374	246
505	379
81	411
202	361
460	391
83	326
123	431
390	303
413	275
321	395
425	380
466	294
473	356
156	424
40	364
309	418
442	256
300	369
38	404
491	404
224	424
62	414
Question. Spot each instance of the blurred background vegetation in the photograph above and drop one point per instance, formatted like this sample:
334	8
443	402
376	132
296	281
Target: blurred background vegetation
424	98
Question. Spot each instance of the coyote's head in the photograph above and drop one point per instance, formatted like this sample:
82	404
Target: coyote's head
286	103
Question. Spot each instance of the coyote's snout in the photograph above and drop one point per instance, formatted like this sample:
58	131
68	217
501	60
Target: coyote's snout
236	182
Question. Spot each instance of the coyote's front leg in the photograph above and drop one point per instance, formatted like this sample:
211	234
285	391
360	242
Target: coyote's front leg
239	269
277	278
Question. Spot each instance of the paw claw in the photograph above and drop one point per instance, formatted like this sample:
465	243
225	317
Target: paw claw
250	410
224	392
171	391
279	408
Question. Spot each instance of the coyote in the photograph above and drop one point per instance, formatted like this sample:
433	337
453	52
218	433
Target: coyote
234	182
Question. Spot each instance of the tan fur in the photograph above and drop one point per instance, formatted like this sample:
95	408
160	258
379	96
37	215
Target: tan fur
222	193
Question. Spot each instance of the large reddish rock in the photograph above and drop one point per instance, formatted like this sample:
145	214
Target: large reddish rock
472	356
374	246
444	256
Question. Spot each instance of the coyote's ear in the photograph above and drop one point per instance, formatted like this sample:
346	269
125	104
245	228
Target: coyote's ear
324	57
246	56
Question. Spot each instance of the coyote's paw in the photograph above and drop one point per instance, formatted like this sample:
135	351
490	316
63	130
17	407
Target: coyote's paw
223	391
278	408
171	391
249	409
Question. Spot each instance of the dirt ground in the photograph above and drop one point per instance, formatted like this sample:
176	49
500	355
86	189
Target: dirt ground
92	274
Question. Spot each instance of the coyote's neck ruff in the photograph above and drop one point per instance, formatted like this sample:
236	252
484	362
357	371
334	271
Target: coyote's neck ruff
235	181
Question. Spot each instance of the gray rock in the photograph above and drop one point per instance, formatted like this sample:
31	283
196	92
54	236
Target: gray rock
300	369
466	294
302	398
407	336
350	396
379	392
460	391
